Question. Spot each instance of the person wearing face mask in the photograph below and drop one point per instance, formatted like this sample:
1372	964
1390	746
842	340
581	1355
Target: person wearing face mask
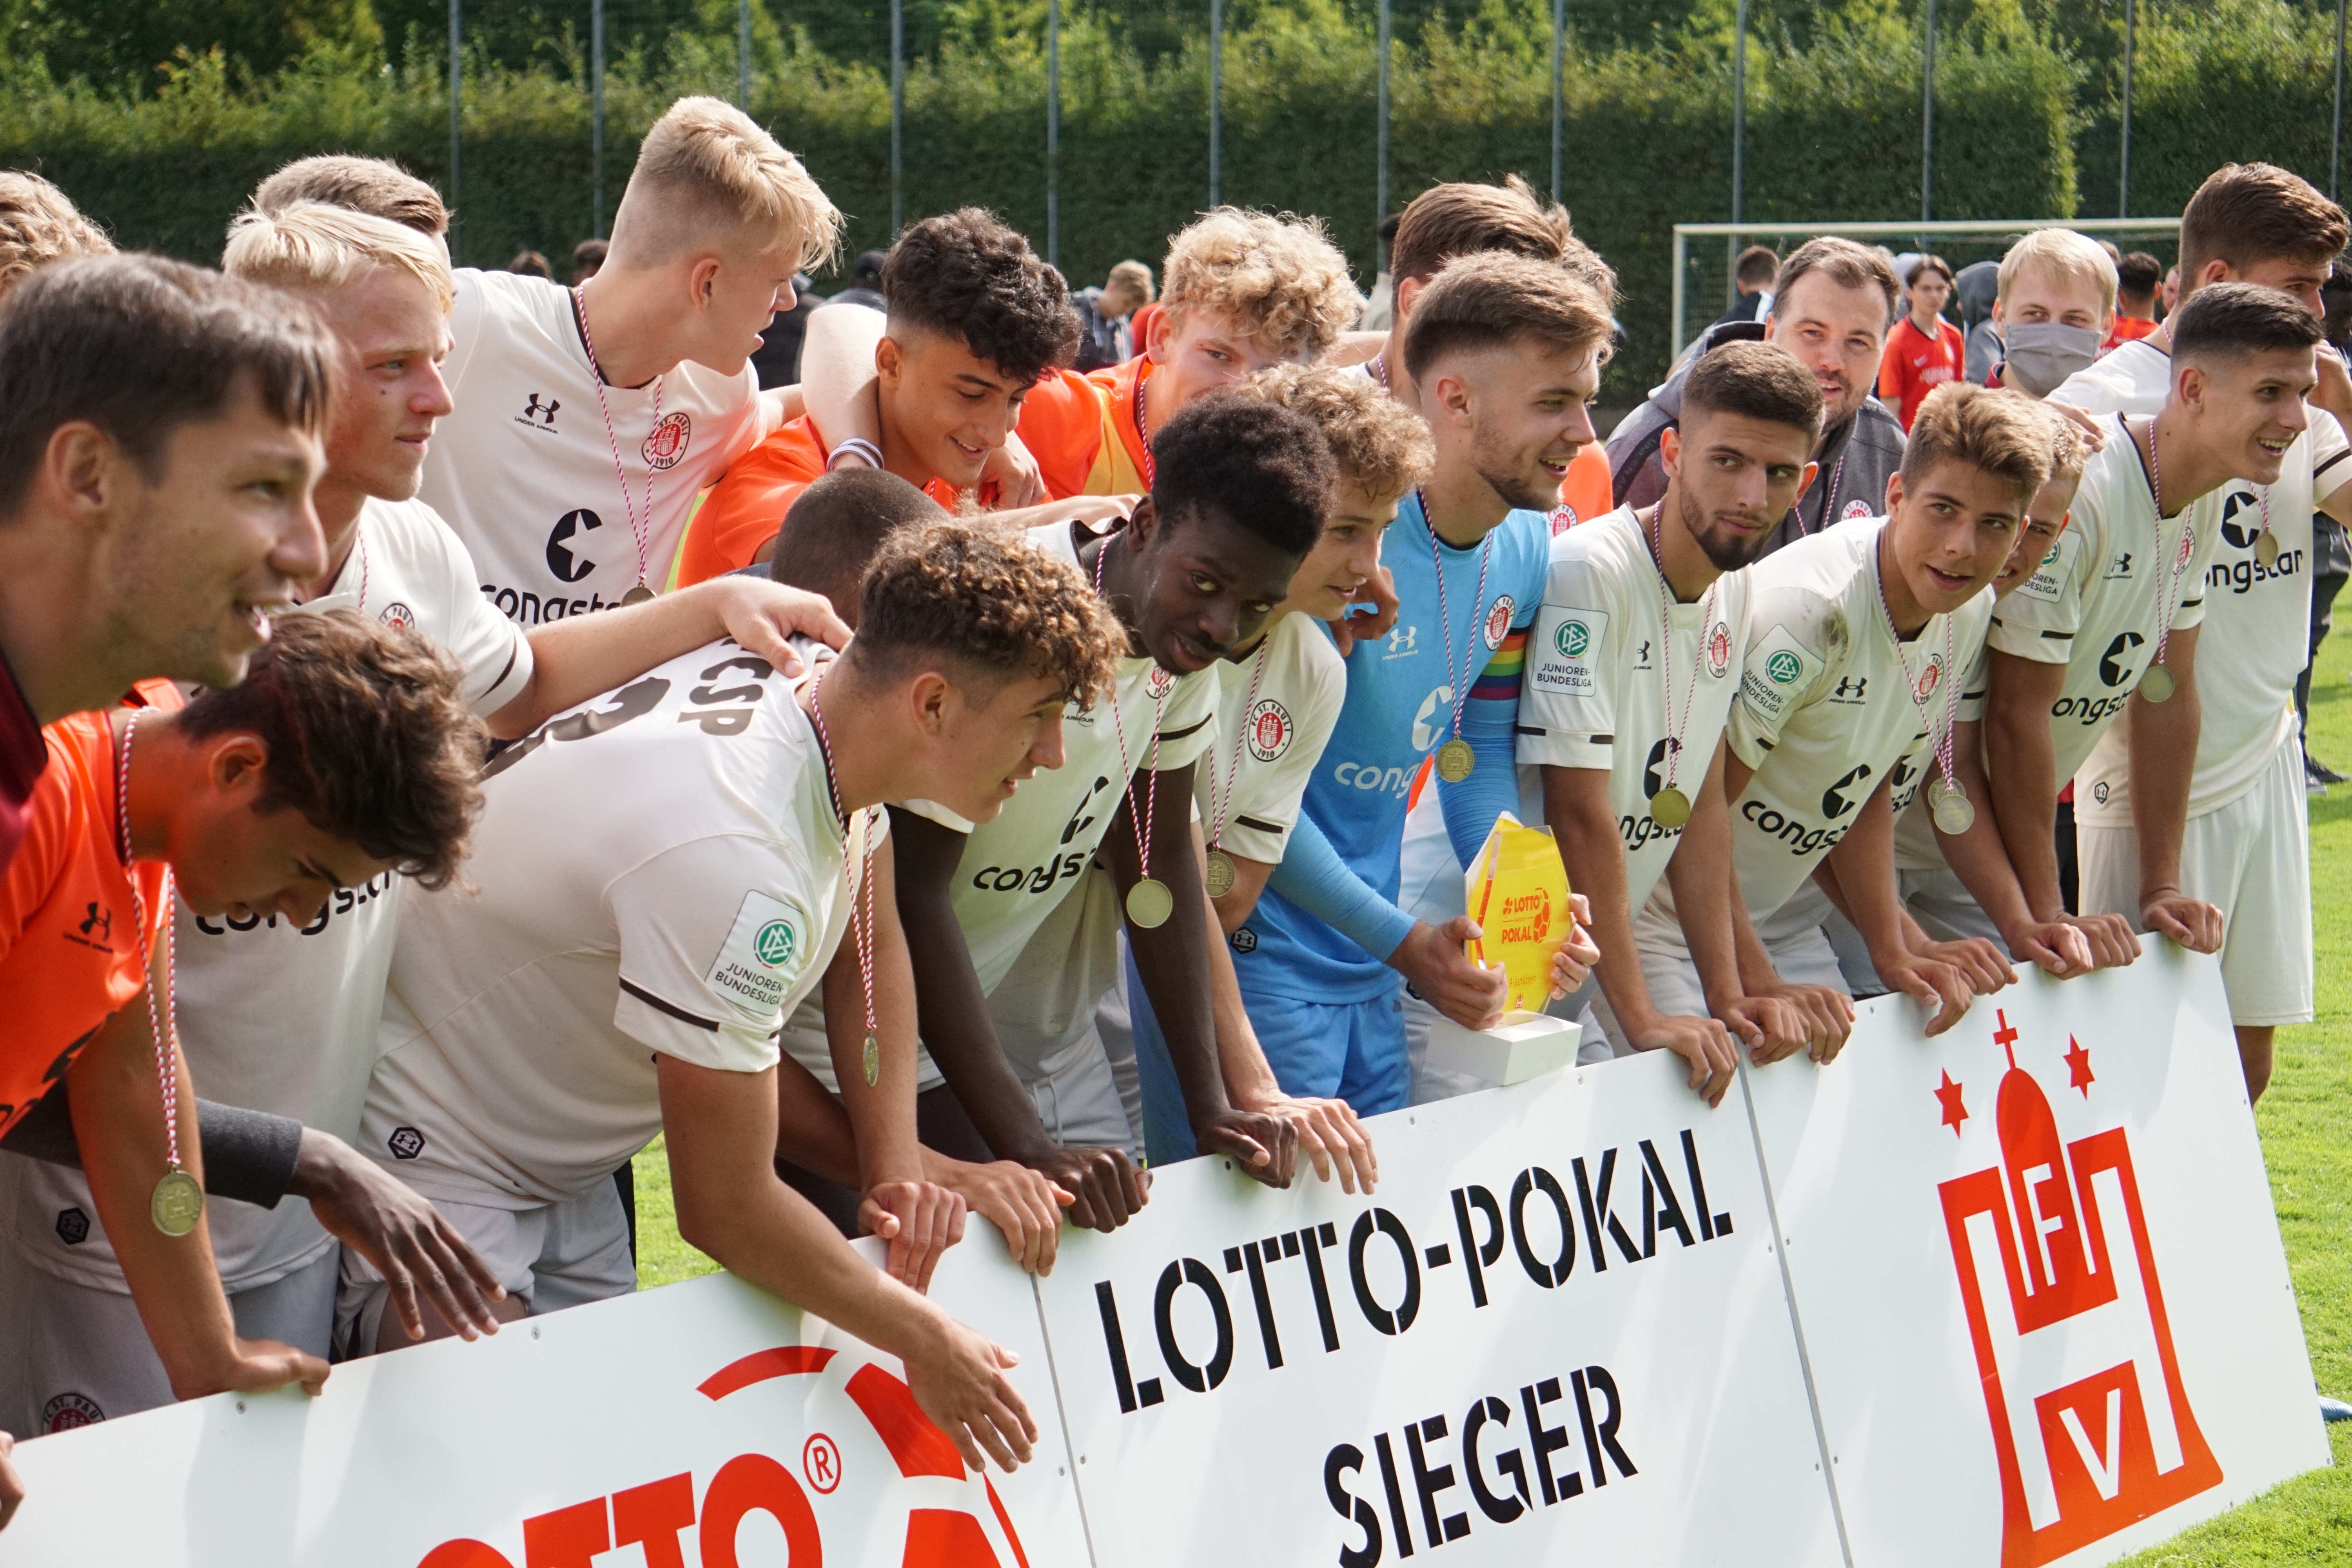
2056	306
1831	307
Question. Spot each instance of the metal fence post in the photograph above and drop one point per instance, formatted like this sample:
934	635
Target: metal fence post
1560	90
457	86
596	114
1216	101
1739	114
2123	180
1927	122
743	55
897	113
2336	134
1053	132
1380	134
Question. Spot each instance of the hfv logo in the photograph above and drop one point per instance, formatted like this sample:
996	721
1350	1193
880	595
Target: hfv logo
2091	1422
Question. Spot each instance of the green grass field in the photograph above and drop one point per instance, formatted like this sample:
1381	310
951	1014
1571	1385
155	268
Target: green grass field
2306	1127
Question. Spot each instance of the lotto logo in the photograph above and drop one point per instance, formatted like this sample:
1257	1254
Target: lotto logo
1270	731
774	944
2091	1422
667	443
1572	638
1784	667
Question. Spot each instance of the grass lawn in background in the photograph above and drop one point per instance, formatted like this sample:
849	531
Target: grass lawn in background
2306	1127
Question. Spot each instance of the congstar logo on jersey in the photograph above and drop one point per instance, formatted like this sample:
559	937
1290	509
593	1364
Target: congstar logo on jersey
1801	838
1059	868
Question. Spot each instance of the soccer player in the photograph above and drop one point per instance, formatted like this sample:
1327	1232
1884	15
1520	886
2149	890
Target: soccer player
595	415
1633	672
974	319
2056	304
662	877
372	185
2244	853
1279	697
1505	354
343	757
1848	689
1924	350
1240	493
1831	305
2112	635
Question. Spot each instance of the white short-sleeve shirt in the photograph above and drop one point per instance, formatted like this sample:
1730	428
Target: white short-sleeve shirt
1606	645
281	1016
525	470
1275	710
658	871
1823	715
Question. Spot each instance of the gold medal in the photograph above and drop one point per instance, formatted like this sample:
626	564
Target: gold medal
1949	804
872	1061
1150	903
178	1202
640	594
1670	807
1455	761
2266	549
1219	878
2157	684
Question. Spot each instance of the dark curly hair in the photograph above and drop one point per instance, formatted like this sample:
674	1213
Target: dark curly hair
965	274
1264	467
366	735
981	595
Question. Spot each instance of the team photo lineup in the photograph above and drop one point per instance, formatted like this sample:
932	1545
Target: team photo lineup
457	728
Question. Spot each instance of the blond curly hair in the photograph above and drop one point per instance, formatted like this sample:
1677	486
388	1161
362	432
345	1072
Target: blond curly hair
1381	447
1277	278
39	226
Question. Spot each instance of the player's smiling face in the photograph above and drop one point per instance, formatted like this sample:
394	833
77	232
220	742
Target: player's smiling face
1735	477
2045	520
1346	556
988	748
1197	351
2249	407
1950	535
1207	584
1531	412
389	393
942	405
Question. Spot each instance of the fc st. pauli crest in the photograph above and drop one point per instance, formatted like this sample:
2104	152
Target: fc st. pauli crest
2091	1421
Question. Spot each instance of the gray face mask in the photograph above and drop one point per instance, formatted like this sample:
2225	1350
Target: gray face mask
2043	354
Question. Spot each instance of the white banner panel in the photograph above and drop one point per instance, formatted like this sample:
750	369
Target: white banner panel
1555	1334
2038	1270
707	1423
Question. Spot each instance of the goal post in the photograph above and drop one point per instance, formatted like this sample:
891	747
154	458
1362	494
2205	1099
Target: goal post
1703	269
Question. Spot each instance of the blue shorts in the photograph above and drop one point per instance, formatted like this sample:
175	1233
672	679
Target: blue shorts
1353	1051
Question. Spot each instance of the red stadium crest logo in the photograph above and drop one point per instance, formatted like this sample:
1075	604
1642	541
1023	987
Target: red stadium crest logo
1932	677
668	444
399	615
68	1411
1854	508
1158	683
955	1518
1563	518
2091	1422
1268	730
1498	621
1718	650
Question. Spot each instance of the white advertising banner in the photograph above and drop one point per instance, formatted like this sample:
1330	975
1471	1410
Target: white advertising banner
2008	1298
1555	1333
2038	1271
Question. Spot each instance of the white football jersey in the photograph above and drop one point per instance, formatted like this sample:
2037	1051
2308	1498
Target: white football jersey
2259	616
2098	602
1017	869
1823	715
282	1017
659	871
526	471
1275	710
1599	664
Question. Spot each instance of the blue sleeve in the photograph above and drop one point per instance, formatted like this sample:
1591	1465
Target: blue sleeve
1312	876
1489	722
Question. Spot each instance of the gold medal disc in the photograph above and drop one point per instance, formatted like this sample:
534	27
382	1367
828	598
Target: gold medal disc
1219	878
1954	813
639	595
178	1202
1670	807
1150	903
1455	761
2266	549
2156	685
872	1061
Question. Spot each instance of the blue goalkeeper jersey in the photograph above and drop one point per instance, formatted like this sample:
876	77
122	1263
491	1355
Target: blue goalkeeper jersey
1327	921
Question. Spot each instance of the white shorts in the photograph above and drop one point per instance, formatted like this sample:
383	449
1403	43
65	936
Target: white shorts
72	1354
1944	907
2251	860
551	1256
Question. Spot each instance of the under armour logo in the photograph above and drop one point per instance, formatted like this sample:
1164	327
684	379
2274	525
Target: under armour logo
1853	686
1643	659
100	921
531	410
1402	641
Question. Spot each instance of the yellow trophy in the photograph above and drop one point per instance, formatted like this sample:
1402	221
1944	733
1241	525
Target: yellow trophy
1517	890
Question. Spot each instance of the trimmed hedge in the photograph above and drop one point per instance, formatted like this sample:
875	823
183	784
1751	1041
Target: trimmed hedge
1833	132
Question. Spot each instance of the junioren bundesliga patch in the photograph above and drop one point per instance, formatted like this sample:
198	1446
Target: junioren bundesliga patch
761	953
